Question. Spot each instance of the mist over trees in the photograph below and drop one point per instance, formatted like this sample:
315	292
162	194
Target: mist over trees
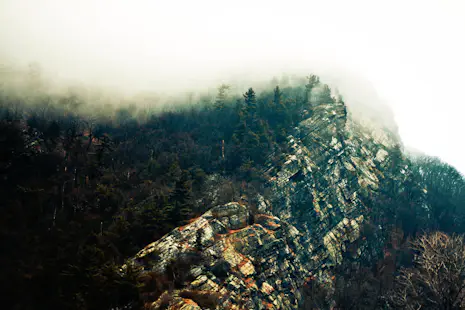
84	186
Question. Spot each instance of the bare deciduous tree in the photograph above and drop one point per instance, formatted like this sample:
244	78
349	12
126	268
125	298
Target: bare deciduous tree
437	280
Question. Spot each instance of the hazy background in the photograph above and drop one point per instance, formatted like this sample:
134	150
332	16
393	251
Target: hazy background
411	52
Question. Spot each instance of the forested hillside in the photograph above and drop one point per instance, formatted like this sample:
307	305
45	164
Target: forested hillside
86	186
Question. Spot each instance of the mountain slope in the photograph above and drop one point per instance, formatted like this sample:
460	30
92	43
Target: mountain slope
279	199
314	212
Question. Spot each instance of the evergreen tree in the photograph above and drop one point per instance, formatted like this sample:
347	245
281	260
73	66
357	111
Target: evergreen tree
325	95
280	118
182	197
277	94
313	81
250	102
222	96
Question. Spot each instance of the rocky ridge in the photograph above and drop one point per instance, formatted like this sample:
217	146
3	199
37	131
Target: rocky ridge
315	213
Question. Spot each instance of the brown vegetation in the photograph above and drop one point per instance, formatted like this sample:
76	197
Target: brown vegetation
438	279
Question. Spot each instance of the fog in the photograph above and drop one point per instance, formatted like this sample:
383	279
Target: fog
407	54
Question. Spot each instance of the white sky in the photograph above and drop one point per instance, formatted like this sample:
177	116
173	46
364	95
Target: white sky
412	51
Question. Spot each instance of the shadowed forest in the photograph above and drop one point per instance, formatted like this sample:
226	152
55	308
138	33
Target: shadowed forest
84	187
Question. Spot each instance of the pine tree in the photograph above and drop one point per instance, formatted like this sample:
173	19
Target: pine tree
250	102
313	81
182	197
222	96
325	95
277	96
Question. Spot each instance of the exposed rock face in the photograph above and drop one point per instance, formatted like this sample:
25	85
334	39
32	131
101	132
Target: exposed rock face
317	209
260	267
332	165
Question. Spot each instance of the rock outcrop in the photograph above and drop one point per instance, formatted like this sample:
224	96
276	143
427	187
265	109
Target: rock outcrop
250	262
316	210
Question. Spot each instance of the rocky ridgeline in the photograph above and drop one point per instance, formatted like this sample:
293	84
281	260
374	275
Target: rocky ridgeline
250	262
316	211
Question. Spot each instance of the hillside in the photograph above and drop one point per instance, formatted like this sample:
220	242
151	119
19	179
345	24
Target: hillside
276	200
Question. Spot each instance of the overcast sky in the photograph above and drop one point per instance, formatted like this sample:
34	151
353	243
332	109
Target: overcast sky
411	51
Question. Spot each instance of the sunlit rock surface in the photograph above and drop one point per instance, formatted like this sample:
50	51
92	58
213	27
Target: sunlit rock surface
315	212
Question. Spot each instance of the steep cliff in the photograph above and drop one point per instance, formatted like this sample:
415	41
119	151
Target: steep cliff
319	202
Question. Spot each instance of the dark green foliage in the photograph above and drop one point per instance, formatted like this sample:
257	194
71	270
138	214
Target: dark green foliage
198	240
221	269
444	194
81	193
421	195
250	103
222	96
315	296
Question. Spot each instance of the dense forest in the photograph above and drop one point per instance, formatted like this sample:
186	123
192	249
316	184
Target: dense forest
85	186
